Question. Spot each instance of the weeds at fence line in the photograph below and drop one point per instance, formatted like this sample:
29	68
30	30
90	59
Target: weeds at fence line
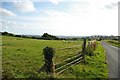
62	66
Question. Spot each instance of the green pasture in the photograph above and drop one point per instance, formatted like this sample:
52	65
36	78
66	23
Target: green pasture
22	57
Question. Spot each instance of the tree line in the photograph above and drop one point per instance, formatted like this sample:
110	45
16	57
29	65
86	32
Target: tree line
45	36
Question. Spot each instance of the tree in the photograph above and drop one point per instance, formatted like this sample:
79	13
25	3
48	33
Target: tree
47	36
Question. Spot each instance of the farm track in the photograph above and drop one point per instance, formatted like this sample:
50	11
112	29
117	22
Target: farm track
112	59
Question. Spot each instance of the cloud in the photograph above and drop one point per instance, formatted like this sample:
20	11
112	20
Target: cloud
111	5
26	6
55	1
77	19
0	24
55	13
7	24
6	12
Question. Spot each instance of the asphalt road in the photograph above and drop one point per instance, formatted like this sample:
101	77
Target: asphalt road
112	59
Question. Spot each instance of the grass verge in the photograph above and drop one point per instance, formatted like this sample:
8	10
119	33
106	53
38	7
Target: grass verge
94	68
113	43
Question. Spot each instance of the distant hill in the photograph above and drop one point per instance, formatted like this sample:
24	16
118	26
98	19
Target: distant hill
47	36
23	36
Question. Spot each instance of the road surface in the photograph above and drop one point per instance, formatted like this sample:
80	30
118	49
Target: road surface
112	59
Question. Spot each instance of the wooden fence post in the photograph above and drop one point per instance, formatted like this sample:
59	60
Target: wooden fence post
48	55
84	49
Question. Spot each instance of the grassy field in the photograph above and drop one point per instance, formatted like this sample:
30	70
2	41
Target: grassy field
113	42
21	58
95	66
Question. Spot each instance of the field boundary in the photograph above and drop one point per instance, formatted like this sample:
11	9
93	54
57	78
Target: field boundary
53	69
67	47
68	63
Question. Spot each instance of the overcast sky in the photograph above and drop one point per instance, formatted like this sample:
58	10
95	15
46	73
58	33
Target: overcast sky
60	17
